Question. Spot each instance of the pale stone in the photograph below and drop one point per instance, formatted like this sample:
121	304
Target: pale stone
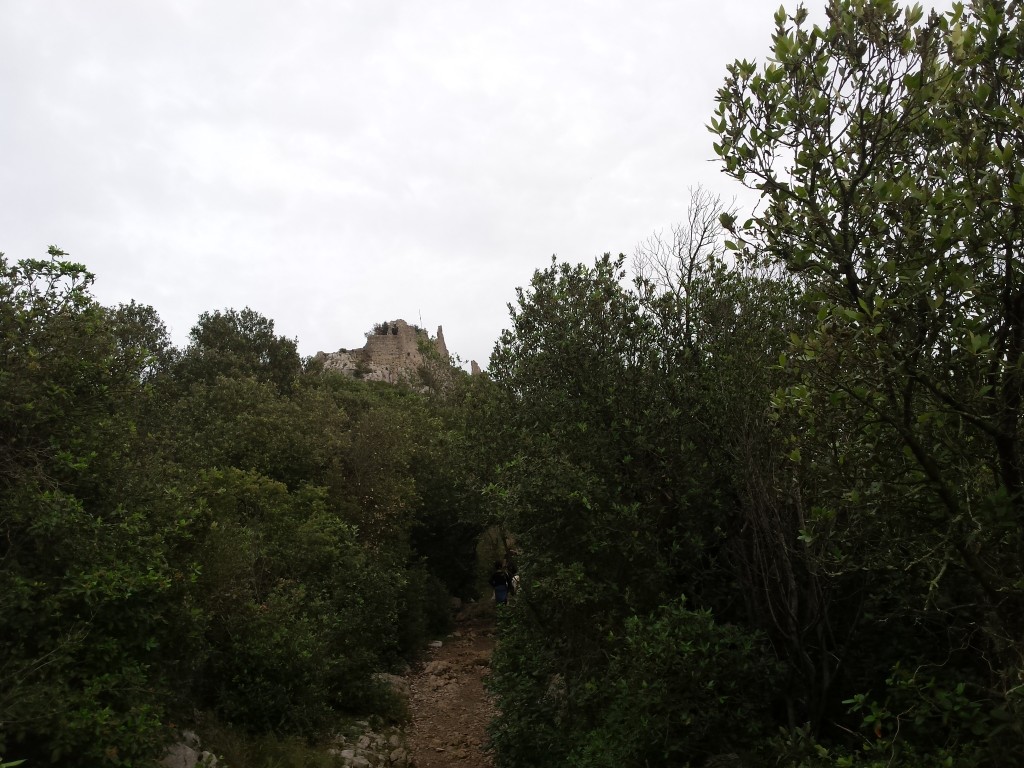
438	667
398	685
180	756
187	754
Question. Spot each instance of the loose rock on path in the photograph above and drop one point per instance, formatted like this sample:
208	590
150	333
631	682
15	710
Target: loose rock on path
450	709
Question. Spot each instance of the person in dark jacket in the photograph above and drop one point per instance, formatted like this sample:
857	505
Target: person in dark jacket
499	581
512	571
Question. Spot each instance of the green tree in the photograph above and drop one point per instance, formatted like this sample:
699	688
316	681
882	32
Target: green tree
886	147
233	343
213	530
89	595
627	414
296	614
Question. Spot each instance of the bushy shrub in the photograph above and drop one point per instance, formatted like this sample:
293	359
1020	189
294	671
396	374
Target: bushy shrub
425	611
680	689
526	680
297	614
928	717
919	721
214	530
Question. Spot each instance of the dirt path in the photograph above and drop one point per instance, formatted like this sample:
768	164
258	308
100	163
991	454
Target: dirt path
449	706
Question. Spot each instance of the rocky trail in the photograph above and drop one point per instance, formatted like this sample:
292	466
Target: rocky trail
449	711
449	707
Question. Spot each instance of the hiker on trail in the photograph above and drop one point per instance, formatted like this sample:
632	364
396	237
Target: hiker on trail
512	571
500	582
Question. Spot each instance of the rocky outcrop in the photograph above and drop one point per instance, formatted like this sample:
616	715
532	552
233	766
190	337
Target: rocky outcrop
368	748
188	753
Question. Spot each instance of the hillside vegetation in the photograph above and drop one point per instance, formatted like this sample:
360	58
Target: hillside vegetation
768	489
764	478
218	529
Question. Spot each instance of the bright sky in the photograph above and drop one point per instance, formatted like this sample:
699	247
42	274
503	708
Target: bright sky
336	163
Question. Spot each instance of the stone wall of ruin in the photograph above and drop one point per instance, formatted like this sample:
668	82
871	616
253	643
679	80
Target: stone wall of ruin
390	356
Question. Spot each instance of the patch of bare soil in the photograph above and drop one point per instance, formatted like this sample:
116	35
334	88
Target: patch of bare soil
449	707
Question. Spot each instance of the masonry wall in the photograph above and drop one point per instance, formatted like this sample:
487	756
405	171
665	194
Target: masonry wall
389	356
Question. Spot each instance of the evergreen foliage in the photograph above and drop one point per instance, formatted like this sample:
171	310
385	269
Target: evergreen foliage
815	441
211	529
622	480
767	491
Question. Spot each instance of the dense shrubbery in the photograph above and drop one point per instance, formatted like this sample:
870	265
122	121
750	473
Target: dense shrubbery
624	501
769	506
816	441
680	688
207	528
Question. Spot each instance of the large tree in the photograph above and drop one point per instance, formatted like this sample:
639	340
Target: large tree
240	343
90	613
886	146
625	412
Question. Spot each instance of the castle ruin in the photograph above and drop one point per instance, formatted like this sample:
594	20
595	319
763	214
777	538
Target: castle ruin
394	353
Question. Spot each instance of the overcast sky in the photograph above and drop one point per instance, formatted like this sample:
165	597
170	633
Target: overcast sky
337	163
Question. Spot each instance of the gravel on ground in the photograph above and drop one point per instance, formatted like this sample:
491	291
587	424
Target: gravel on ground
449	707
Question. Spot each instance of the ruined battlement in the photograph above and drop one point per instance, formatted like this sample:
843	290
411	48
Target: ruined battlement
394	352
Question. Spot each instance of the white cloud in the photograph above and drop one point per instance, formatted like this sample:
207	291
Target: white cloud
333	164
